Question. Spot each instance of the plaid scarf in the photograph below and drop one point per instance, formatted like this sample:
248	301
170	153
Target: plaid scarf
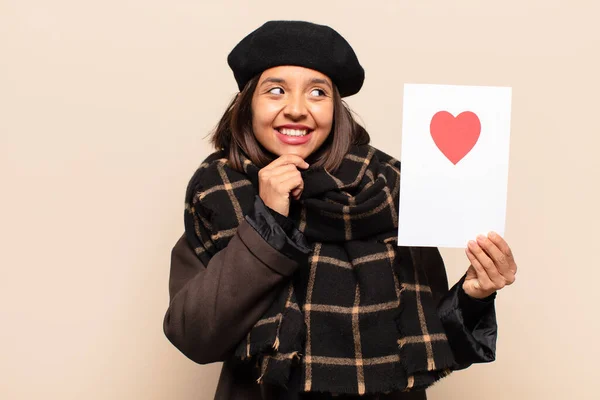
358	316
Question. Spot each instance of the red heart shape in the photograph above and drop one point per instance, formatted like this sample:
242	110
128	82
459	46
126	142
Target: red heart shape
455	137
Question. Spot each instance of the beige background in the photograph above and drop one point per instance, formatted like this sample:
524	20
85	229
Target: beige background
103	110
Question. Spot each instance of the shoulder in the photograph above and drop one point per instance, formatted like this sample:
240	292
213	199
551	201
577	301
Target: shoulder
382	157
206	175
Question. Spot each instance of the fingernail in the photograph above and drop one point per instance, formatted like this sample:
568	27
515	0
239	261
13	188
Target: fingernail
472	244
480	238
492	234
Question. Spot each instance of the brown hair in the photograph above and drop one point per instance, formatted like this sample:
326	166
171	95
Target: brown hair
234	133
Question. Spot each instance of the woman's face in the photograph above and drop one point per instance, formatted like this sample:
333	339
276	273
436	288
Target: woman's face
292	110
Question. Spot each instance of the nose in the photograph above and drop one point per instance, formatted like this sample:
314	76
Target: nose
295	107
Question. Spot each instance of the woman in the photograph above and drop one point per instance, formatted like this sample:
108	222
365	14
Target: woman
289	270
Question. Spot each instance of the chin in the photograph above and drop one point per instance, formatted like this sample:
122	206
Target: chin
304	153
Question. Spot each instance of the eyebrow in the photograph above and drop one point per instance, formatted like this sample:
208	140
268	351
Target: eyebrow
281	80
320	81
273	80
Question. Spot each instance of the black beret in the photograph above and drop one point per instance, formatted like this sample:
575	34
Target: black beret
299	43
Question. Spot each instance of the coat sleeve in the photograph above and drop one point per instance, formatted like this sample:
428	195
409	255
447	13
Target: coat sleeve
470	324
213	307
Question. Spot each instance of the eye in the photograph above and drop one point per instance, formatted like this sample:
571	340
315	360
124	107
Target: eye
317	92
275	90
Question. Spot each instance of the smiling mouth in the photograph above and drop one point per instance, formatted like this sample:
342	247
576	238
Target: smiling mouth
294	132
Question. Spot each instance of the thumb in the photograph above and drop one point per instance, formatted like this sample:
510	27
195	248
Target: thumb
471	273
296	193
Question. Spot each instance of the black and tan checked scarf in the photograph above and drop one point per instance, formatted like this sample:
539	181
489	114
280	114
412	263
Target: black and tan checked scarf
358	316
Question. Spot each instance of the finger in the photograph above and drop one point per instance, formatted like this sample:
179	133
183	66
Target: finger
488	264
292	183
288	159
501	243
282	169
296	193
505	249
268	174
499	271
485	283
279	181
284	176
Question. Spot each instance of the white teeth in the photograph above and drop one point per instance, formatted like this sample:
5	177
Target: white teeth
293	132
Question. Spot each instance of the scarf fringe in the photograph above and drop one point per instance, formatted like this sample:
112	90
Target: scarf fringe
285	358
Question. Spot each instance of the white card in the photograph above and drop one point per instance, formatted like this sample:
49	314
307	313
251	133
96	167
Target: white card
454	171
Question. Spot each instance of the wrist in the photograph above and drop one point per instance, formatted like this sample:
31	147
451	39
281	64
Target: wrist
282	209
